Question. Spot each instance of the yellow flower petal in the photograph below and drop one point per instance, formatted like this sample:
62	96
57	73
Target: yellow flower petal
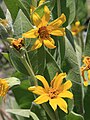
37	44
53	103
41	2
42	98
88	74
46	16
58	22
75	29
62	104
31	34
74	33
37	20
49	44
52	82
51	40
37	90
44	81
67	85
59	80
77	23
58	32
32	8
32	88
66	94
85	83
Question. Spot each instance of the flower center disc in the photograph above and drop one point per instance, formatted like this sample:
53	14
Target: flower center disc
53	93
43	32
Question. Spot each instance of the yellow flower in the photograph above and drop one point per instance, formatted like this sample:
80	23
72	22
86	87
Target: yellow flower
32	8
4	87
43	29
17	43
75	29
86	67
55	93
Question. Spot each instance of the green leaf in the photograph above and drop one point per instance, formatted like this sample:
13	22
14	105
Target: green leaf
71	66
68	8
6	55
37	59
86	103
23	97
33	115
15	6
81	10
59	52
13	81
1	14
52	66
21	24
3	32
87	44
23	112
16	61
70	37
74	116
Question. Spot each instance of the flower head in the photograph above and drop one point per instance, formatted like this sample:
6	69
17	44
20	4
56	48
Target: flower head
43	30
86	67
75	29
53	93
18	43
4	86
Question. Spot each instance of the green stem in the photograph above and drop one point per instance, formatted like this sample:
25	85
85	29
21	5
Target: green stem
58	8
57	116
28	58
49	112
29	69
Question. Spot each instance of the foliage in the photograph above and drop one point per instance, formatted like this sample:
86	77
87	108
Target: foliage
66	57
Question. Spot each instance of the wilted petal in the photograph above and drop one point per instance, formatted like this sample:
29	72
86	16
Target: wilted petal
42	98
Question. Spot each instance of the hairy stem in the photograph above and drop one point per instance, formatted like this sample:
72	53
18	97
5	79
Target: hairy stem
29	69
